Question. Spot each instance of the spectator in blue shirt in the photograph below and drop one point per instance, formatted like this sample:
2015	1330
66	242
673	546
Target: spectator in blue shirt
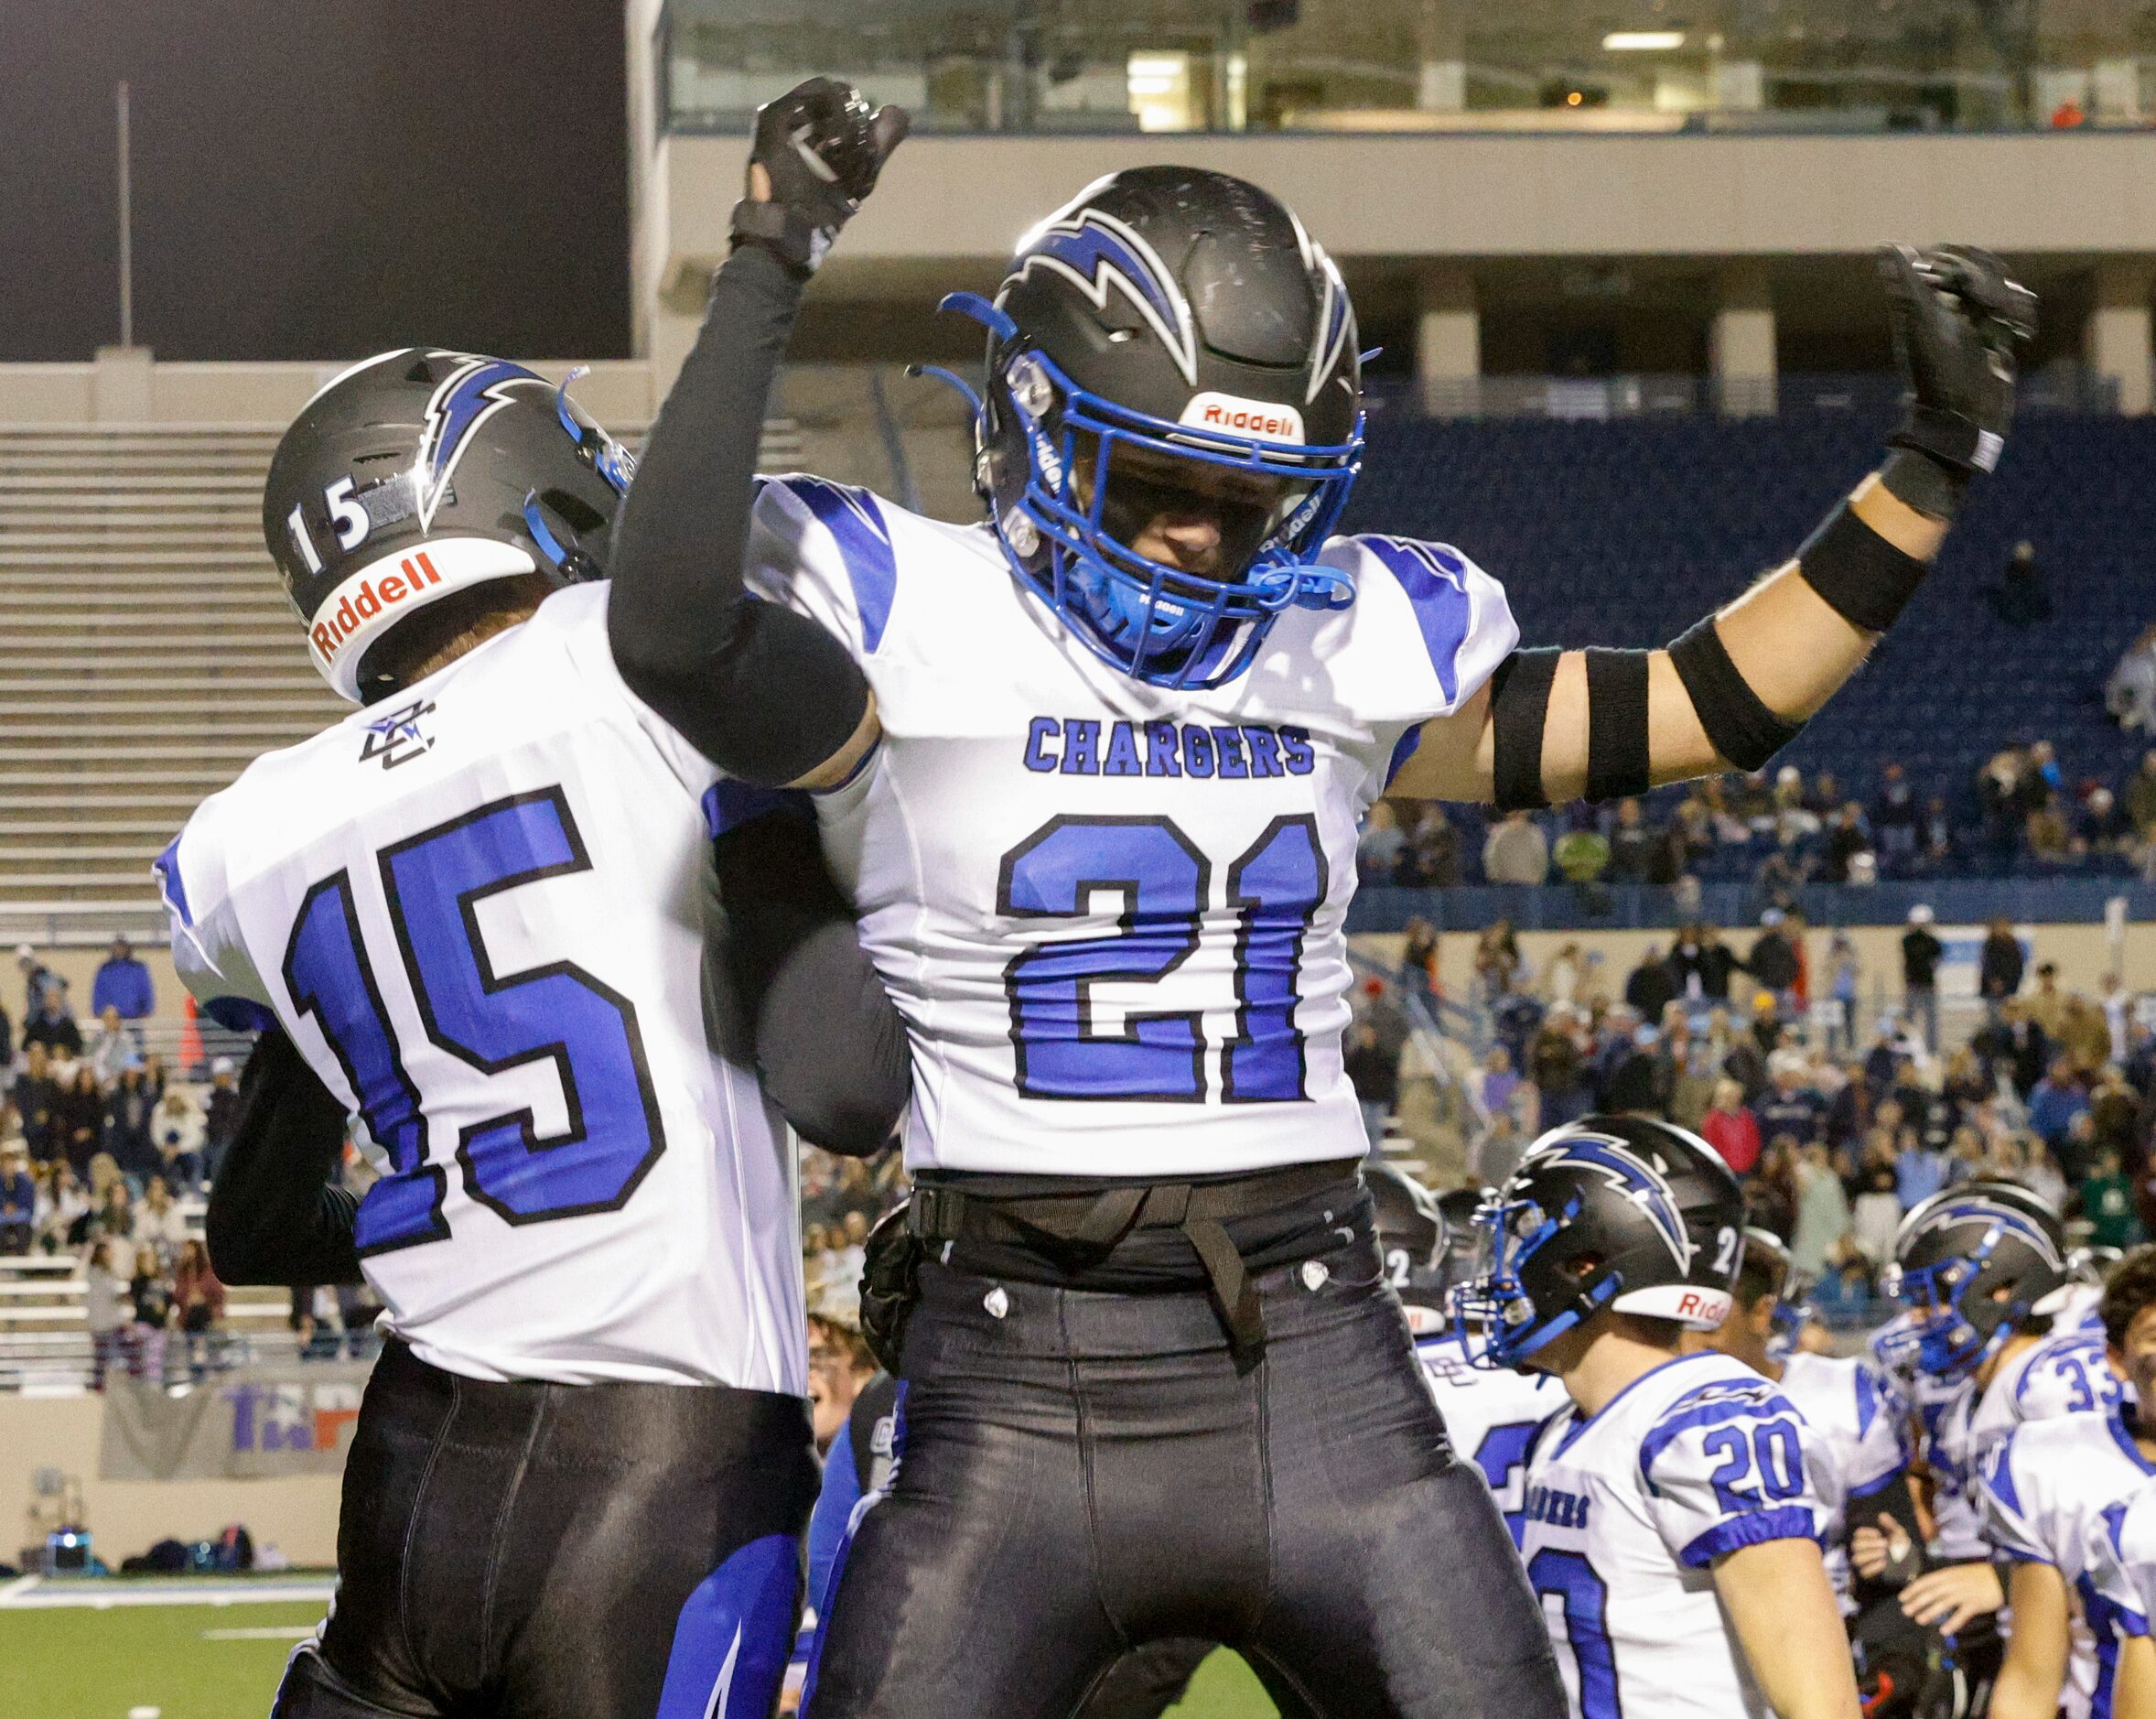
2053	1103
18	1201
1919	1173
122	983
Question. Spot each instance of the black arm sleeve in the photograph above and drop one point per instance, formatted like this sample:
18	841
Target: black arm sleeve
829	1045
273	1216
767	695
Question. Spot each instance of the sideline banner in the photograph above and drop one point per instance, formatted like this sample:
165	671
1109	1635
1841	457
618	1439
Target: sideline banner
255	1423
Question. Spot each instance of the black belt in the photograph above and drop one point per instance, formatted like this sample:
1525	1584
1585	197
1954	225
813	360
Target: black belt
1095	1220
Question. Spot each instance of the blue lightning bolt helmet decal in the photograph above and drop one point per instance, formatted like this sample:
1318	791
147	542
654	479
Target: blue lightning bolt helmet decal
1634	1178
1095	251
466	397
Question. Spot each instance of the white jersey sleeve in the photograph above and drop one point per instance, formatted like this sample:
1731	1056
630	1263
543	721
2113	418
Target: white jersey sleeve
825	550
1726	1466
1429	626
2122	1558
2010	1528
2065	1375
209	952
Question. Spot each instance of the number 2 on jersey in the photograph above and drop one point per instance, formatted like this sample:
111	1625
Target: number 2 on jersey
1165	882
558	1013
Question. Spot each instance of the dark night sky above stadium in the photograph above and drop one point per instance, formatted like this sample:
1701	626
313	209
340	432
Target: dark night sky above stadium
315	178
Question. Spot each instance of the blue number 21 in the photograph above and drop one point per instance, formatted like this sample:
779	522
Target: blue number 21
1165	882
558	1013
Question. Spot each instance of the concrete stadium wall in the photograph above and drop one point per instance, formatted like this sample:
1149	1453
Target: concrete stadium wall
298	1515
128	386
1533	195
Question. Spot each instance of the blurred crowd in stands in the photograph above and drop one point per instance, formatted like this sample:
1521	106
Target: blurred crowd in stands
2024	815
1836	1124
104	1156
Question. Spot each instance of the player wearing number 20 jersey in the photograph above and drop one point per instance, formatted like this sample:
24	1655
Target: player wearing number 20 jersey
1112	912
1628	1509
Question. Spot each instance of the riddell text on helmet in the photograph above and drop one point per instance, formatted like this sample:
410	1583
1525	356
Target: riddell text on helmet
370	596
1260	420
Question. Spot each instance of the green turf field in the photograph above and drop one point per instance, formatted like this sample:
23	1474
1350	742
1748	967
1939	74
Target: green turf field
1225	1689
186	1661
76	1663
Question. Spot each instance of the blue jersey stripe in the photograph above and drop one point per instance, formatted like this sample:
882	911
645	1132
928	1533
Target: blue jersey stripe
167	866
863	537
1435	579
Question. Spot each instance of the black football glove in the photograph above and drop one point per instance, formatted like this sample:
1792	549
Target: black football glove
822	147
1957	318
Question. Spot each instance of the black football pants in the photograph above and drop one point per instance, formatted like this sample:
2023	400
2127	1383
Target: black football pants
1082	1472
554	1551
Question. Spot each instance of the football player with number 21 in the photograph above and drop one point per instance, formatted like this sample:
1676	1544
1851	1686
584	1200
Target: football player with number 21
1091	768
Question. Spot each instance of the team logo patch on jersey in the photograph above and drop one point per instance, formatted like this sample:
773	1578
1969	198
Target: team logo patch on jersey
1633	1177
468	396
396	739
1094	251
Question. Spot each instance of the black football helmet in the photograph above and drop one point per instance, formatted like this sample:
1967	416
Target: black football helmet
1768	1260
1410	1235
1617	1212
1171	340
421	474
1464	1257
1971	1264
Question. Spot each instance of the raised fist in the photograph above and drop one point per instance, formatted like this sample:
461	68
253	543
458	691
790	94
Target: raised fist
1958	318
815	154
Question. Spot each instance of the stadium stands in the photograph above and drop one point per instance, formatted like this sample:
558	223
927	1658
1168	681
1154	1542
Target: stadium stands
1625	532
149	653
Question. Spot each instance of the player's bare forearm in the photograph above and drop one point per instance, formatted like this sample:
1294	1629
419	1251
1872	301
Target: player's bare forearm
2133	1695
1778	1601
2037	1649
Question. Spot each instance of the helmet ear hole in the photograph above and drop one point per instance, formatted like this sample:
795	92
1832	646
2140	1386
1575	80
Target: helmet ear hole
578	514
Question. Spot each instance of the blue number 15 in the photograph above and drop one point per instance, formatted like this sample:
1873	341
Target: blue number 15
555	1013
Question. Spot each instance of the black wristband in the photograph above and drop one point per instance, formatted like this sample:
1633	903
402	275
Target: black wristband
1740	727
782	230
1857	573
1616	724
1929	485
1519	706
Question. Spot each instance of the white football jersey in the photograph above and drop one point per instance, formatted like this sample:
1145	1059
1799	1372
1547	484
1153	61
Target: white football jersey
479	913
2062	1375
2045	1487
1491	1413
1627	1512
2122	1558
1857	1435
1112	913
